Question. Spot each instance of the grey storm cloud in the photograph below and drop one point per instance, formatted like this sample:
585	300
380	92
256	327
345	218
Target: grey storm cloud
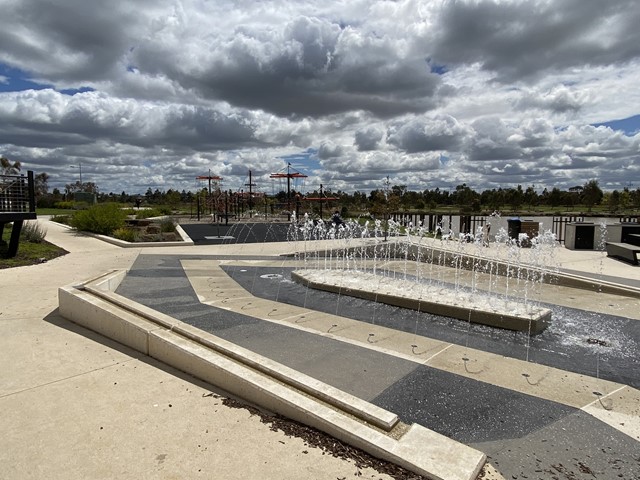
432	92
368	139
329	150
85	118
307	67
560	100
517	40
428	134
88	39
493	141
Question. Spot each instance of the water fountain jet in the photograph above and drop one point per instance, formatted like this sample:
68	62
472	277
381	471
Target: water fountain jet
366	279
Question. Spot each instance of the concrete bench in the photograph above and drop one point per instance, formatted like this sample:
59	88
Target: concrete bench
623	251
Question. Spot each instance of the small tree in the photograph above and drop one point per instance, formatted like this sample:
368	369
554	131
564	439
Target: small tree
7	167
531	197
41	184
516	197
89	187
613	201
591	194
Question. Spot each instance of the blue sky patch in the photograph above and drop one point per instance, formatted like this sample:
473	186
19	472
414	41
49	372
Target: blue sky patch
304	162
16	80
74	91
630	125
437	68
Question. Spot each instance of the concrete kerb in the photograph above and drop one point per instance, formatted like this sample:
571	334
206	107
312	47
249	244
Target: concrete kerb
186	240
265	383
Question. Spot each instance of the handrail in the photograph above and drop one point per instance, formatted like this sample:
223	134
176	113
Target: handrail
17	193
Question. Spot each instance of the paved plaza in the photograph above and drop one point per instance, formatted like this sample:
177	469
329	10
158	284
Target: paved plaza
561	404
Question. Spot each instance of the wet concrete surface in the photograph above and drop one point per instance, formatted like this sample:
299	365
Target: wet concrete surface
568	344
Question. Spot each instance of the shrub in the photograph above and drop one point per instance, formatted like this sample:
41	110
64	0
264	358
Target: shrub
66	219
45	201
33	232
167	225
147	213
126	234
64	205
103	218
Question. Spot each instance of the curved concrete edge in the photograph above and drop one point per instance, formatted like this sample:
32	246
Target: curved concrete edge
185	242
419	450
186	239
124	244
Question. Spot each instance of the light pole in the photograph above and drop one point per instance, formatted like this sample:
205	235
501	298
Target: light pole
80	170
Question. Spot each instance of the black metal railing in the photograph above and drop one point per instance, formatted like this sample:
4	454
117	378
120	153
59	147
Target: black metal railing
17	193
17	204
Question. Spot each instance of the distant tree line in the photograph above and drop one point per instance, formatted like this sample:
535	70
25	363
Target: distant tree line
391	198
462	198
466	200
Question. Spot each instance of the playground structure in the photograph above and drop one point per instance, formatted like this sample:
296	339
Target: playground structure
290	175
17	204
294	200
321	199
214	201
219	204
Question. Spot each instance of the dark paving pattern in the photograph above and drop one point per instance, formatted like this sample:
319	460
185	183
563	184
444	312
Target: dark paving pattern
564	345
507	425
239	233
576	446
468	411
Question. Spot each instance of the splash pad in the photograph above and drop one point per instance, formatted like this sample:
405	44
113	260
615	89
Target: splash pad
361	268
465	306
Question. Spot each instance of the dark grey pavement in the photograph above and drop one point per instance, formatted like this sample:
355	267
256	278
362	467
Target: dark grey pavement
221	234
524	436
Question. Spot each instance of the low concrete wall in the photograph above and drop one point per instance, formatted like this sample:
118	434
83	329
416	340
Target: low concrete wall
97	315
366	411
535	323
179	345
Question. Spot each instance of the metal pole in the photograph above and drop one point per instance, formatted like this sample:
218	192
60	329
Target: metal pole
226	208
32	191
250	192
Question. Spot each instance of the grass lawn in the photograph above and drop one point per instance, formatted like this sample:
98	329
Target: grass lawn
28	253
54	211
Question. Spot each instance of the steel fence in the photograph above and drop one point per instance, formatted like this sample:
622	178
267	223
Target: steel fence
17	193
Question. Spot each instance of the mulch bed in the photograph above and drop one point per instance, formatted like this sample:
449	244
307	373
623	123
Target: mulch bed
314	438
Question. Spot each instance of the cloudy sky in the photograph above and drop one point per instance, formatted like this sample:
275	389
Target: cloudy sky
153	93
